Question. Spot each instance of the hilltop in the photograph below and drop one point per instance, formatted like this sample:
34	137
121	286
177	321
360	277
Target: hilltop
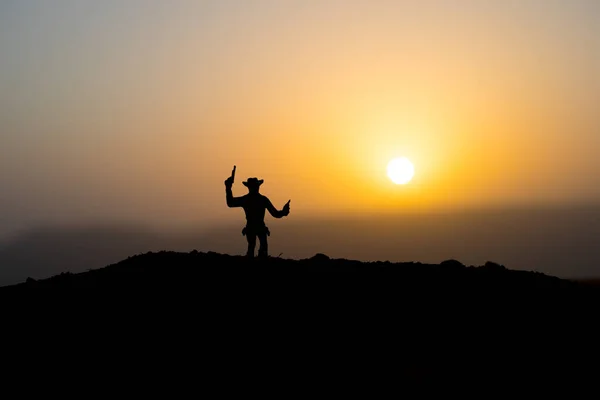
189	269
211	273
423	318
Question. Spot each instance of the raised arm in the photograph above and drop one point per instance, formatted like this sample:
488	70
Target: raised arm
231	201
277	213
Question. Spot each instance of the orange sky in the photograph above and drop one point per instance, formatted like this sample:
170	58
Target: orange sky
140	110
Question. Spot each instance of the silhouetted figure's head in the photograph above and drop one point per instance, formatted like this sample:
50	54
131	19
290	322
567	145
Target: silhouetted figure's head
253	184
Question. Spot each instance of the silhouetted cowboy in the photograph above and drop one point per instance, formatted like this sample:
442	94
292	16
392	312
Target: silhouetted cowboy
254	205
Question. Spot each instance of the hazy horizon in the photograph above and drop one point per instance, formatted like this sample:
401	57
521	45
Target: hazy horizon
135	111
560	242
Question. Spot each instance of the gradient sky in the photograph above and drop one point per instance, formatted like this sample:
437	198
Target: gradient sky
138	109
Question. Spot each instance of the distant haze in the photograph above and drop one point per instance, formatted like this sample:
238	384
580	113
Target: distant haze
559	242
133	112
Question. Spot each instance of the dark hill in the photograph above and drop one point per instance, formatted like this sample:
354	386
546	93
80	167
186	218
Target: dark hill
212	272
407	321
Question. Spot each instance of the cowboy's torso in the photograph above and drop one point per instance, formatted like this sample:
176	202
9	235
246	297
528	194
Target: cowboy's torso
254	205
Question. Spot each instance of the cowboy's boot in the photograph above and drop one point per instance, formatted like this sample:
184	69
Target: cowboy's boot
263	253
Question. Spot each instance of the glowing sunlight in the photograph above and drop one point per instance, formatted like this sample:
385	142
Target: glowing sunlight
400	170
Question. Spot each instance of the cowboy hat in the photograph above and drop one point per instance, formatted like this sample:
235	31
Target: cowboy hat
253	182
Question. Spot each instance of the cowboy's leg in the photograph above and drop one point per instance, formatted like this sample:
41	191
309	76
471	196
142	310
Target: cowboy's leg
263	249
251	238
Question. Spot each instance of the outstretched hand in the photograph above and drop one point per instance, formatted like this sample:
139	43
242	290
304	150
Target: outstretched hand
229	181
286	208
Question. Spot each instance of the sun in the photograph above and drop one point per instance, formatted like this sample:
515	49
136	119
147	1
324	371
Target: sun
400	170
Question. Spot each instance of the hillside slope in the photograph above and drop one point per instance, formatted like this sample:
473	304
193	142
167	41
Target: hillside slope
424	319
211	273
190	268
